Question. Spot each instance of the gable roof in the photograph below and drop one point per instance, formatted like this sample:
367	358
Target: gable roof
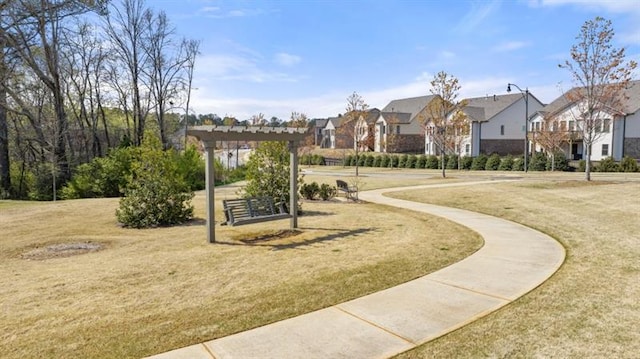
630	105
413	105
491	105
320	122
397	117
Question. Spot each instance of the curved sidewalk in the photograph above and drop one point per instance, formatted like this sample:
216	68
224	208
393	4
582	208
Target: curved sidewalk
514	260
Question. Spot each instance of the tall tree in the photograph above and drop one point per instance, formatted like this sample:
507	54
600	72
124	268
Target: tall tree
551	135
601	74
445	87
5	162
192	50
126	28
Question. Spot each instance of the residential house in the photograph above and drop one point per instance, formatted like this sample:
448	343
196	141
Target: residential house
496	125
616	129
333	136
318	129
399	128
365	130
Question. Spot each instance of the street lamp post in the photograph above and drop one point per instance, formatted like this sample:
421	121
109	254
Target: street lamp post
525	95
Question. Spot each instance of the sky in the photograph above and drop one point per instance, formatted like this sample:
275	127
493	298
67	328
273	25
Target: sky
280	56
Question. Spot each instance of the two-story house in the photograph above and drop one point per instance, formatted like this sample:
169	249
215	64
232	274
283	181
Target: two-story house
400	126
614	130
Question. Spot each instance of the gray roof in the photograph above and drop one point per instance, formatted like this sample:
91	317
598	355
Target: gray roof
631	103
475	114
413	106
321	122
492	105
397	117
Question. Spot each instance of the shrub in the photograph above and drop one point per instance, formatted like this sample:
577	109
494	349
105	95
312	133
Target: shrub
327	192
42	186
538	162
393	161
376	161
558	162
156	193
402	161
192	168
361	160
354	161
493	162
466	163
317	160
518	164
432	162
268	171
628	164
411	161
309	190
452	162
607	165
421	161
506	163
384	161
582	166
369	161
479	162
347	160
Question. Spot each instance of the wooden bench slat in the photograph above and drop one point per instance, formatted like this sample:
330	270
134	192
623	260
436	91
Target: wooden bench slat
252	210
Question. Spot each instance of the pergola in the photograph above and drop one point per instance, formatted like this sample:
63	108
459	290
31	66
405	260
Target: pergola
210	134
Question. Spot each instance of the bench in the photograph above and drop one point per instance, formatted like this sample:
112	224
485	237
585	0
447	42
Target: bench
252	210
349	192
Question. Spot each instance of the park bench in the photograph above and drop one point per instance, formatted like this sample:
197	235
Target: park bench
349	192
252	210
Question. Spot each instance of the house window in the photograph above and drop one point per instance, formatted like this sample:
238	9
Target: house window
502	130
398	129
606	125
467	149
384	128
605	149
572	125
426	147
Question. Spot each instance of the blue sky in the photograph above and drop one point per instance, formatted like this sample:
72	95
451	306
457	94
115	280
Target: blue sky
275	57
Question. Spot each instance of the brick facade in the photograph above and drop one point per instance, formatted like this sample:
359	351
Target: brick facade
502	147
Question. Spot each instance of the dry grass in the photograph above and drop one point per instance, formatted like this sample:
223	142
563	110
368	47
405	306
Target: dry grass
591	307
149	291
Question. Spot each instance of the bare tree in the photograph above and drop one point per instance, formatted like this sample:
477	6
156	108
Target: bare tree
551	135
126	28
445	87
356	109
601	75
192	50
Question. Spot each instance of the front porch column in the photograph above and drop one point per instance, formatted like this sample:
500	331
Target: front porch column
210	181
293	184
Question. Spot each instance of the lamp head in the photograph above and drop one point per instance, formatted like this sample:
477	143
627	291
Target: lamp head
508	87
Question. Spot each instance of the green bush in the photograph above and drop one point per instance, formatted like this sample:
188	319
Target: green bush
411	161
309	190
347	160
560	162
518	164
452	162
42	186
479	162
156	193
582	166
192	168
506	164
432	162
628	164
327	192
402	160
369	160
317	160
361	160
268	171
384	161
538	162
421	161
607	165
376	161
466	163
354	161
493	162
393	161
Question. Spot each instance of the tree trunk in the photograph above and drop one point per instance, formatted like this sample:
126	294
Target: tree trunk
587	167
5	175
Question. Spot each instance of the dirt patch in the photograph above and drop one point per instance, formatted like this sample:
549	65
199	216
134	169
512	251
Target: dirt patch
272	236
61	250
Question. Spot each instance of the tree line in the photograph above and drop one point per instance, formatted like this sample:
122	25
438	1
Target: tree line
78	77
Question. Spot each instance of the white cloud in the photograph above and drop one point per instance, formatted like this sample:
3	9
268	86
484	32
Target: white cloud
509	46
616	6
476	15
285	59
234	67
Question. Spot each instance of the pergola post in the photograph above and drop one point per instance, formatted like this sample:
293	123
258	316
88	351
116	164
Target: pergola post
210	180
293	184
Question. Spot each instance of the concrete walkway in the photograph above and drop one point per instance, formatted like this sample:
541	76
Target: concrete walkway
514	260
